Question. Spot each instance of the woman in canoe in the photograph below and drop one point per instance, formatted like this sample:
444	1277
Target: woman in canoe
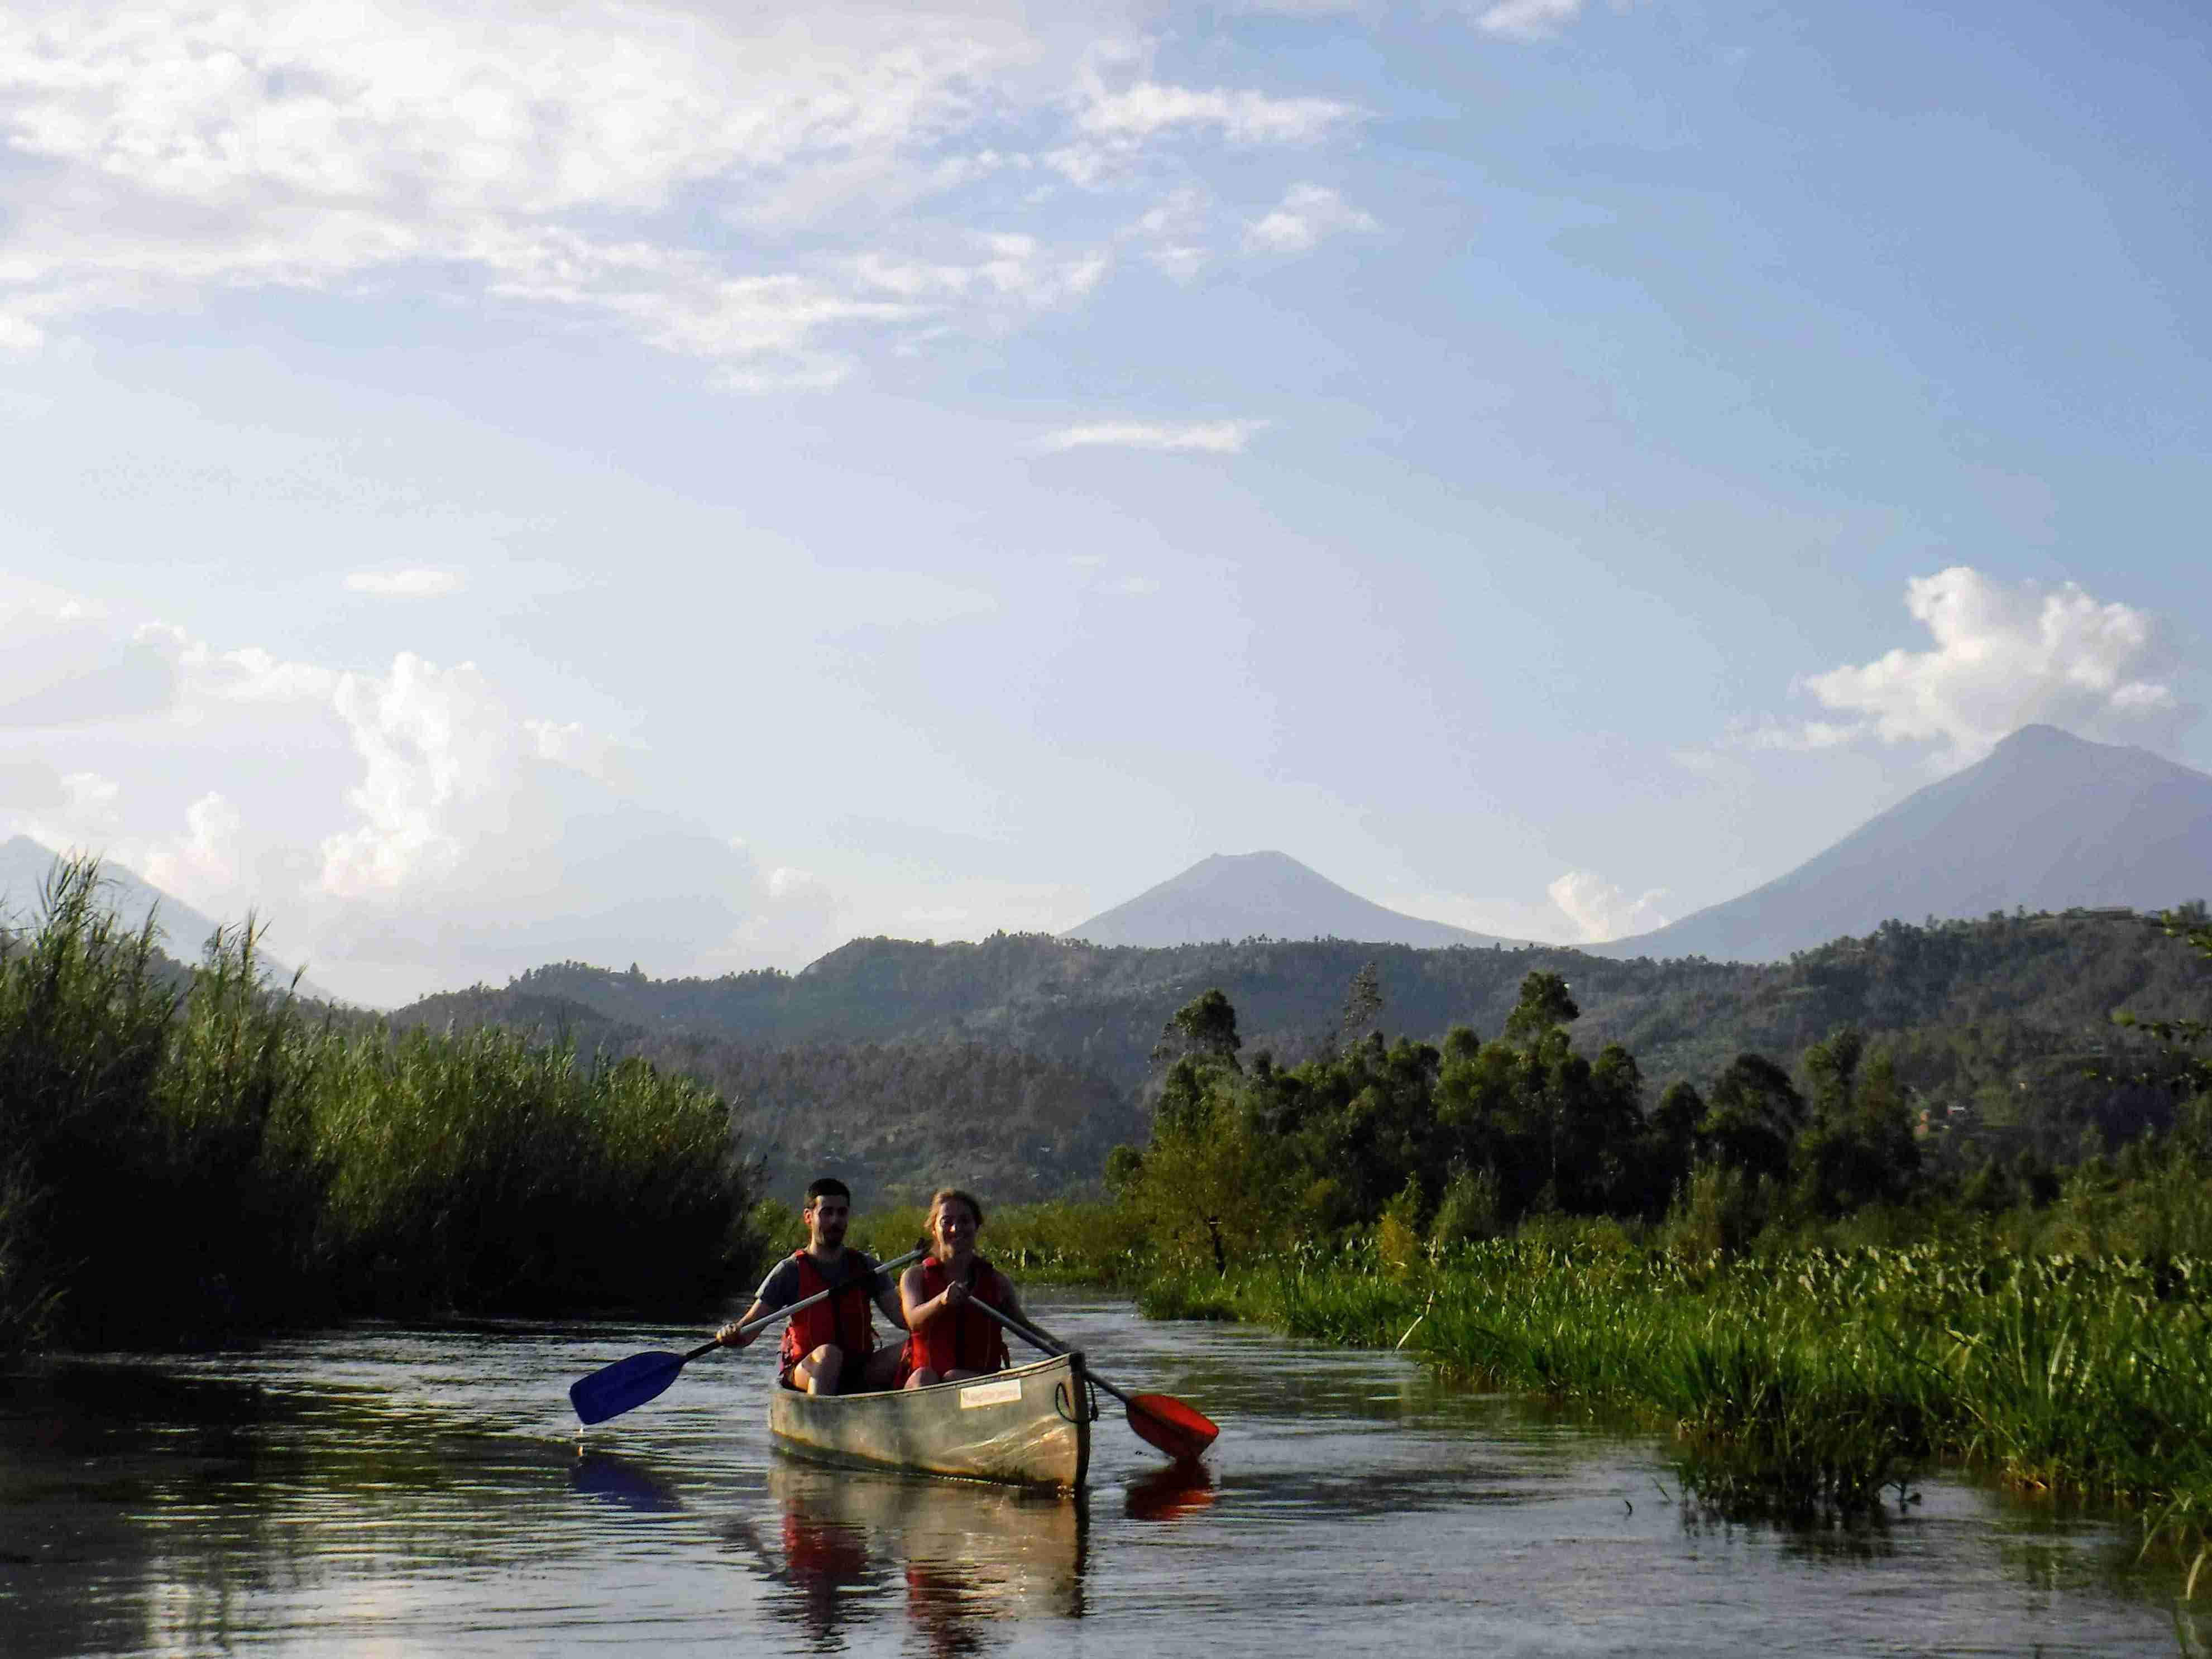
947	1339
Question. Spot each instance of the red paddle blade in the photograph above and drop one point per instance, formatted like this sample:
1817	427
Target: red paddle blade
1181	1431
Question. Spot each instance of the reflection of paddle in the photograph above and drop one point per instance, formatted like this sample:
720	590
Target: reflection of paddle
627	1383
1181	1431
1169	1494
602	1476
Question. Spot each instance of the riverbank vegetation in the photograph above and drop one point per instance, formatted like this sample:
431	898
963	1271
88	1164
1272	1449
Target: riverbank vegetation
185	1157
1792	1272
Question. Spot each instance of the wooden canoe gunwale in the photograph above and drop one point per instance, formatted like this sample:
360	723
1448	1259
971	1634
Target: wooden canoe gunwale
1030	1442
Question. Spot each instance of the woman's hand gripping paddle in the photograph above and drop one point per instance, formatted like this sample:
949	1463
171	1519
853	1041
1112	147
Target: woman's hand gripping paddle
1177	1428
628	1383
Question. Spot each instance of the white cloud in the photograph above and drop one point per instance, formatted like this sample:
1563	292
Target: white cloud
1209	437
1172	233
437	746
1527	20
206	858
1007	273
1091	566
90	799
2004	656
582	162
1147	108
1807	737
407	827
413	582
1306	214
1600	910
582	750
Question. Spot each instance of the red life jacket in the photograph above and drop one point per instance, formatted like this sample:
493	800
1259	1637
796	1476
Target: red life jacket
843	1319
962	1339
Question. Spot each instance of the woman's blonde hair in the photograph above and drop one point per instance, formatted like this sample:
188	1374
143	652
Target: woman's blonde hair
945	1196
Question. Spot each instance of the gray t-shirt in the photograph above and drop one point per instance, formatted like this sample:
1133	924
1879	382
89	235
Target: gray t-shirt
780	1288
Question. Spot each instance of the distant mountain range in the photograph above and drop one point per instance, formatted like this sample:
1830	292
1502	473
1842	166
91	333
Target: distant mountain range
1233	895
25	866
2047	821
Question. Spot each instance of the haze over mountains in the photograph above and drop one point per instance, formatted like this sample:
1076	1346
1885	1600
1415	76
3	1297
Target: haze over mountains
25	866
1233	895
2048	821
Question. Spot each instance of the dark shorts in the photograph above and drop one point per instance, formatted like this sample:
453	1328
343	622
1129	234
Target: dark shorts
852	1377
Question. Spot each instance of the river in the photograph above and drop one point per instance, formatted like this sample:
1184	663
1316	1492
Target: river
380	1490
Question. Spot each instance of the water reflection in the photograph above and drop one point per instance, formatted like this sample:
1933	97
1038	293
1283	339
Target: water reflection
1169	1494
974	1559
619	1480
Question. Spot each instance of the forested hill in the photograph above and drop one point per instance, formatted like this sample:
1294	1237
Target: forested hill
895	1119
1099	1010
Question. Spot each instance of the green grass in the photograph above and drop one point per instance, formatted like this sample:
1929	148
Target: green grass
1809	1380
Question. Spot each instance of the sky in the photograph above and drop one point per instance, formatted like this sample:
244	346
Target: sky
690	485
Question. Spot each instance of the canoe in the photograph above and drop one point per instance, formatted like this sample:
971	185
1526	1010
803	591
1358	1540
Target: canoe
1029	1426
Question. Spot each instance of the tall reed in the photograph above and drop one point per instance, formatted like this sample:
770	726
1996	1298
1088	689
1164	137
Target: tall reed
180	1159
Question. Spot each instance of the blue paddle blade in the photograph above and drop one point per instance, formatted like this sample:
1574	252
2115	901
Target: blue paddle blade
613	1389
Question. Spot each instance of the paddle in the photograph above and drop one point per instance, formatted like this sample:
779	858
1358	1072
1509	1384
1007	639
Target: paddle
1180	1430
628	1383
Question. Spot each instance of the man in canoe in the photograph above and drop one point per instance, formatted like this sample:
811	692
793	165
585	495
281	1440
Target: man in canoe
830	1347
948	1340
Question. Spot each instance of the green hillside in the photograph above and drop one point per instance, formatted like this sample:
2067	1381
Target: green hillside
1101	1009
1999	1019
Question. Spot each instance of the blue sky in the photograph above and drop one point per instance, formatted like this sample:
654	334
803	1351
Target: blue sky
693	485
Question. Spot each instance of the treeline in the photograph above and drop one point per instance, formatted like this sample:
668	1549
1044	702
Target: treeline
2037	989
188	1162
1464	1140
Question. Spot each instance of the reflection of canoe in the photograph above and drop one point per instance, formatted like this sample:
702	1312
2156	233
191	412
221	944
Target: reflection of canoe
976	1551
1030	1425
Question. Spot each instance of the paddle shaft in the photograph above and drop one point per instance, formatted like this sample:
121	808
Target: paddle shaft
1181	1431
1050	1344
1177	1428
627	1383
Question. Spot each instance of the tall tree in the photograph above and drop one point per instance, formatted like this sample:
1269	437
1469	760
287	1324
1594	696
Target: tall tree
1543	1006
1363	1003
1206	1026
1753	1117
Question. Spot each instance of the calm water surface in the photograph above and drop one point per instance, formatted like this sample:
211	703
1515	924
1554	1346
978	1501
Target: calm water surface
387	1491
